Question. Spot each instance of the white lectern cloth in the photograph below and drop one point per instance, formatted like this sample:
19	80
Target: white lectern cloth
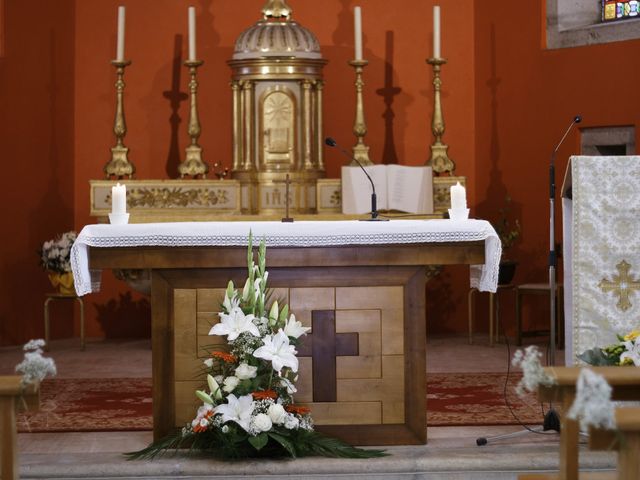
601	229
279	234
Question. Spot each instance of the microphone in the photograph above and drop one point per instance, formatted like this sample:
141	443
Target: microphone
374	209
576	119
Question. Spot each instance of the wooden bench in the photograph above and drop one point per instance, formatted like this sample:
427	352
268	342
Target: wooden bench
10	392
626	441
625	384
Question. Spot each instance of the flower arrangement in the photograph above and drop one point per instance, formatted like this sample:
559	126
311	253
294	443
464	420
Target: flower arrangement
34	367
533	374
55	253
248	409
625	352
592	406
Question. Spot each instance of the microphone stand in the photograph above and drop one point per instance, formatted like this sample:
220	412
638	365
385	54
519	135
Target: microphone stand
551	419
374	208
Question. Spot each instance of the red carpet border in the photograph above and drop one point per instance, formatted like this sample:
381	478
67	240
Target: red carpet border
124	404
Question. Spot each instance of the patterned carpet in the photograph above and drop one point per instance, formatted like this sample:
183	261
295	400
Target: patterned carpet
120	404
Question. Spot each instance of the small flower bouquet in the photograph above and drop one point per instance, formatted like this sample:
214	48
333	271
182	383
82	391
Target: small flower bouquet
34	367
625	352
248	409
55	254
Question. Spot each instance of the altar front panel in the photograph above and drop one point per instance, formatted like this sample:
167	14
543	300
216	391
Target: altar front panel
371	314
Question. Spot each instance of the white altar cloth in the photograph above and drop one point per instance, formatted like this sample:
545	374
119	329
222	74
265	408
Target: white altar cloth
279	234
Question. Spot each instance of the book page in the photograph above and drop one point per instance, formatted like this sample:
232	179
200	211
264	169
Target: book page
356	189
410	189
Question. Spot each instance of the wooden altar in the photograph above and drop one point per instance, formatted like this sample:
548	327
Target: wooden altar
366	305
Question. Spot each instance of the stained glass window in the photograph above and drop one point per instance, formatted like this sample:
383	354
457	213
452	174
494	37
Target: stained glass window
613	10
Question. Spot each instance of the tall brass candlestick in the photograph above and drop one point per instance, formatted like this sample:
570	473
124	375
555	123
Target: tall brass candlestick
119	165
193	164
360	150
439	161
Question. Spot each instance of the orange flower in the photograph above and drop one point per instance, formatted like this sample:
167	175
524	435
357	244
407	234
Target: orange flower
262	395
224	356
297	409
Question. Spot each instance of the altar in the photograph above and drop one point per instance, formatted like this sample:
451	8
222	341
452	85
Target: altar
359	285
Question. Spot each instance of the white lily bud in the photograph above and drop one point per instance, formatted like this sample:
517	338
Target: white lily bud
273	313
246	290
214	388
204	397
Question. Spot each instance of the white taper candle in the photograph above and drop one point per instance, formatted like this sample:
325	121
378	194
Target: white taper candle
119	199
458	197
120	44
436	31
357	28
192	34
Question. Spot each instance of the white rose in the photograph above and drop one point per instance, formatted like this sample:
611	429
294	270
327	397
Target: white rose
291	422
219	378
277	413
225	428
208	362
245	371
262	422
230	383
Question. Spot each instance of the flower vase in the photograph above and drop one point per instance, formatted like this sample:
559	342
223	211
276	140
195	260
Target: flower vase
62	282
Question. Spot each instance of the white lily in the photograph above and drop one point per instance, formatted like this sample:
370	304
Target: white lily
230	303
233	324
277	349
632	353
294	328
237	410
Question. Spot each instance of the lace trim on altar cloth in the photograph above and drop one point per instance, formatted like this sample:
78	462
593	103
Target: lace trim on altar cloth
275	234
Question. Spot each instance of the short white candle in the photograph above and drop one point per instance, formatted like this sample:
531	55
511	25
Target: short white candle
119	199
458	197
120	46
192	34
357	28
436	31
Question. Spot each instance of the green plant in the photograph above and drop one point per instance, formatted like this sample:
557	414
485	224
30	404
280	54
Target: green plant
508	229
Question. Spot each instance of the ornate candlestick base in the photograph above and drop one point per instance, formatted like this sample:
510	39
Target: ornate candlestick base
439	161
193	164
360	149
119	166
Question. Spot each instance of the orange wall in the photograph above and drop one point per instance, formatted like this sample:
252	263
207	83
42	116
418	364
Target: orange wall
36	115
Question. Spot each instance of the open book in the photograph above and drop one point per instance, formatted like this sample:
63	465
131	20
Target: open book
398	187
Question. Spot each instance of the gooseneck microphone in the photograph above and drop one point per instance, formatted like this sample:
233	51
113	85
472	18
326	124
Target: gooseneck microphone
374	209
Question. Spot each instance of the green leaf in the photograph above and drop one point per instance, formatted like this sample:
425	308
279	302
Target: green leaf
259	441
285	442
597	358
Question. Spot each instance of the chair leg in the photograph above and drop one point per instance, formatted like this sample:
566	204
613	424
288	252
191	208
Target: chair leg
491	317
471	305
46	324
518	319
82	344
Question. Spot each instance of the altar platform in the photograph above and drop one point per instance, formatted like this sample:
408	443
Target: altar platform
450	455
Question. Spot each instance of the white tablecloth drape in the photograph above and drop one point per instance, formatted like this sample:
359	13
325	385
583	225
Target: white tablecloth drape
278	234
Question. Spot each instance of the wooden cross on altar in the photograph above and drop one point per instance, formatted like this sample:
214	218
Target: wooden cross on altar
323	346
622	285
